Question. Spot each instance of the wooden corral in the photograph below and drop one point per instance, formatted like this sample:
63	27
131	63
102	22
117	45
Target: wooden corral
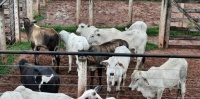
166	20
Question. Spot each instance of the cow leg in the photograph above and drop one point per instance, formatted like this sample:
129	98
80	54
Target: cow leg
100	74
56	60
77	62
36	55
92	79
183	89
159	93
108	85
70	63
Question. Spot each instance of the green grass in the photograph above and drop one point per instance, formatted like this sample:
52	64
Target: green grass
151	46
42	14
5	69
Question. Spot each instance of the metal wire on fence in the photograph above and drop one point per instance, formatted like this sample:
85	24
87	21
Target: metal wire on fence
68	76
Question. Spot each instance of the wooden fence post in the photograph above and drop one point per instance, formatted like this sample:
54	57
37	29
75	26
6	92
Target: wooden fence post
37	3
180	24
2	36
78	8
164	28
82	75
91	10
16	15
130	12
44	2
29	7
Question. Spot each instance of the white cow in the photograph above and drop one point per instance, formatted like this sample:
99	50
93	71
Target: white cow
136	39
73	43
140	25
93	94
11	95
153	82
116	68
87	30
29	94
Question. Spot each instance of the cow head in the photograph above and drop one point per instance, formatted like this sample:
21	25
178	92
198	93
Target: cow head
137	78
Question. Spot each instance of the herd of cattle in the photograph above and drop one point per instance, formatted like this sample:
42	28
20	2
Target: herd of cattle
43	82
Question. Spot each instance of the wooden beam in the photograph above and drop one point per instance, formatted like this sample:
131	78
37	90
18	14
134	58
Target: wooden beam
180	24
176	10
78	8
24	9
164	24
130	12
29	7
183	20
16	15
91	10
187	15
2	36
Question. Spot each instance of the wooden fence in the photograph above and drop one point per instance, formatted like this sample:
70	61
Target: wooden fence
166	19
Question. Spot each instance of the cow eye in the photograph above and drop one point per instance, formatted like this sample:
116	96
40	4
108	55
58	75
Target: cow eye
98	34
94	93
82	26
136	79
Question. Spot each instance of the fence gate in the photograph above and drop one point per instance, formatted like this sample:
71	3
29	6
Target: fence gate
166	19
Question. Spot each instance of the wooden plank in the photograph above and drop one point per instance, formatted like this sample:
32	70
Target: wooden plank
183	20
176	10
16	15
29	4
130	12
78	8
188	1
187	15
91	11
2	36
164	24
185	38
185	46
180	24
2	2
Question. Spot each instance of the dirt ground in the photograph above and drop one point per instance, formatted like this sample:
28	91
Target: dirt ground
110	13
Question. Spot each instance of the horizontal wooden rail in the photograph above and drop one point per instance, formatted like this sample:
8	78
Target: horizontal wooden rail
176	10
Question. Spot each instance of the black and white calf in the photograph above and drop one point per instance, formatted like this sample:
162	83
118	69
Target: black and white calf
38	78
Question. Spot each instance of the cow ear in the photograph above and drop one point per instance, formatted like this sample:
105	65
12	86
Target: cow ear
105	63
98	88
143	74
120	64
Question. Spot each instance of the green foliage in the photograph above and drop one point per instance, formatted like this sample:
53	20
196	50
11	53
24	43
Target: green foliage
38	17
42	14
153	31
5	68
151	46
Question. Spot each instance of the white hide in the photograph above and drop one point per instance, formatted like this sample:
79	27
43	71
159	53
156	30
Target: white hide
73	43
45	79
117	65
11	95
85	30
140	25
136	39
173	72
29	94
90	94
